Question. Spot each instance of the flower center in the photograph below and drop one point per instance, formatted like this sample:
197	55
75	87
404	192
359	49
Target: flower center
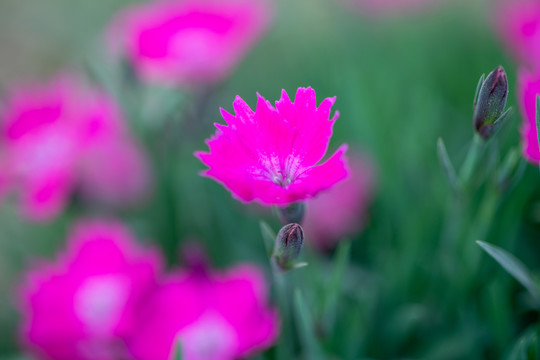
40	152
100	300
281	180
195	46
209	338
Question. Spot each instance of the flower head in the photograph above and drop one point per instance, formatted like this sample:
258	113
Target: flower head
341	211
83	306
271	154
218	316
529	89
181	42
115	172
54	135
518	25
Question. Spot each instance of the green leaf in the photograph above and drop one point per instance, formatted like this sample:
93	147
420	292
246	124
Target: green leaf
447	166
527	346
333	289
306	328
508	166
513	266
468	167
269	237
511	170
478	87
492	129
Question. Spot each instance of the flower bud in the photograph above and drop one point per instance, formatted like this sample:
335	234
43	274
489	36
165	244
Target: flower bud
288	245
489	104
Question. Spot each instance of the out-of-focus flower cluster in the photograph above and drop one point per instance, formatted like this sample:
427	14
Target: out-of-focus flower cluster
106	297
189	42
62	137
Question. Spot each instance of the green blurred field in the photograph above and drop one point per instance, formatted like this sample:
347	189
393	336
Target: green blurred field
410	291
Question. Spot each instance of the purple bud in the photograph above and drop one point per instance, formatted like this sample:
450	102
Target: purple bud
490	103
288	244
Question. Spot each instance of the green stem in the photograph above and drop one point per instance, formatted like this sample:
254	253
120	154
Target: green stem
471	160
284	348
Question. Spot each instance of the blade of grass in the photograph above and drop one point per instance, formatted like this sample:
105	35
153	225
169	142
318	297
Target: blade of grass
306	329
269	237
334	287
513	266
447	166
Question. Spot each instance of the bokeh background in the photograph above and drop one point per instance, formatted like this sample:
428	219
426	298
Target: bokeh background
402	80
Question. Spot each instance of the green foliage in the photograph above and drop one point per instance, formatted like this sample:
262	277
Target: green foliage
513	266
527	347
413	284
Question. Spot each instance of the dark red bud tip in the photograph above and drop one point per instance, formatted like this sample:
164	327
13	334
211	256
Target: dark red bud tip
500	78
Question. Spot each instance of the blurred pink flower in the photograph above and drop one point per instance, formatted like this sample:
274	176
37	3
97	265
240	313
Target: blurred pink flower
270	155
54	135
518	25
212	315
341	211
183	42
115	172
528	90
83	307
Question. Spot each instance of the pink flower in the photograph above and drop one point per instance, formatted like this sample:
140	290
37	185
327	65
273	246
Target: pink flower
341	211
115	172
84	306
529	89
212	315
181	42
271	155
53	136
518	25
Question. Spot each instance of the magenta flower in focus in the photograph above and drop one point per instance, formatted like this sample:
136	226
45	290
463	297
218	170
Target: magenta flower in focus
518	25
529	89
341	211
271	154
183	42
218	316
84	306
54	139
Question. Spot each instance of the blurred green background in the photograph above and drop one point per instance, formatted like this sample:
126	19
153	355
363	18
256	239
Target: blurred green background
417	286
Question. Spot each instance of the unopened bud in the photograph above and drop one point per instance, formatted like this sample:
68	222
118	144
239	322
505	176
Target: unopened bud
288	245
489	103
293	213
